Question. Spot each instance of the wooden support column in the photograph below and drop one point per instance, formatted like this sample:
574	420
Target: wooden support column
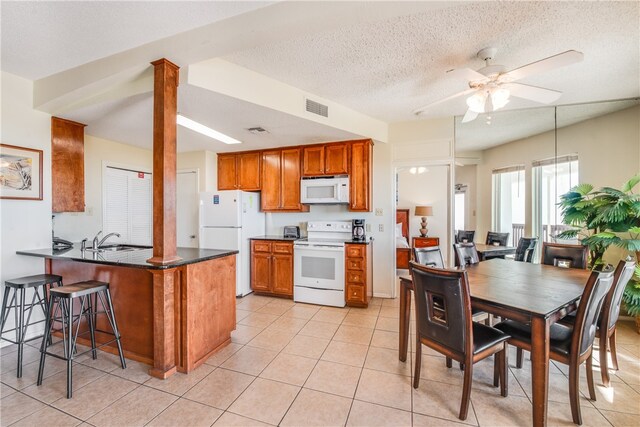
165	104
164	330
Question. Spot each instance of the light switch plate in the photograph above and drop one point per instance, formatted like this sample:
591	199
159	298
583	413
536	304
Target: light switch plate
381	228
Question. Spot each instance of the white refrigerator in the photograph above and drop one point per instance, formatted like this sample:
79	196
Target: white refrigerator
227	220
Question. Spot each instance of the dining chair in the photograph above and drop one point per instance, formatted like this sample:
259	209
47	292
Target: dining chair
467	254
465	236
429	256
564	255
570	346
525	249
606	330
494	238
444	323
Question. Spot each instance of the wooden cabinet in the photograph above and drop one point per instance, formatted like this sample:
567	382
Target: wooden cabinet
424	242
239	171
360	176
358	274
326	159
272	267
281	181
67	165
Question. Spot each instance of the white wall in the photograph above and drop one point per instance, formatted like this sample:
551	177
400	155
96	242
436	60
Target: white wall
75	226
430	189
383	246
608	152
206	163
24	224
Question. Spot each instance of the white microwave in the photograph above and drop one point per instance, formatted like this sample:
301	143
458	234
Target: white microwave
329	190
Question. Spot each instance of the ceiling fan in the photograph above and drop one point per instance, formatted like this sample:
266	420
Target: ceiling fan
491	86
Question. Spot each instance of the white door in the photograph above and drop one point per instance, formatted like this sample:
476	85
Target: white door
187	209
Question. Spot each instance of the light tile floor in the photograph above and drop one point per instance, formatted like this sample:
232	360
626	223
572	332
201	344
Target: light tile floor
303	365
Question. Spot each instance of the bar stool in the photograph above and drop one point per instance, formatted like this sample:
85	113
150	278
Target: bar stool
88	293
20	308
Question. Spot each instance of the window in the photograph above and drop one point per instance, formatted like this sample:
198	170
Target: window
551	179
127	205
460	208
508	202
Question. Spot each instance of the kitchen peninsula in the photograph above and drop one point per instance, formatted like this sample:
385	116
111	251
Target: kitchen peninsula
198	313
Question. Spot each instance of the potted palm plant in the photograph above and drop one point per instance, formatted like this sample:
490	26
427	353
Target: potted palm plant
604	218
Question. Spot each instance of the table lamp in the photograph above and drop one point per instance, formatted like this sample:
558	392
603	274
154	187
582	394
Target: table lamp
424	212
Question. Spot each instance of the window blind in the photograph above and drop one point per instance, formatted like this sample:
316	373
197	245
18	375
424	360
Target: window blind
514	168
561	159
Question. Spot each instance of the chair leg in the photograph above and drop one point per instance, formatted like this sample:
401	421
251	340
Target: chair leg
70	346
592	389
504	389
496	369
20	331
416	373
614	351
45	340
574	392
604	362
466	390
92	326
449	362
5	309
114	326
519	358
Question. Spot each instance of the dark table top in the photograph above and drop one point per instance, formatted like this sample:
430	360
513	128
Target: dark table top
136	258
535	289
481	247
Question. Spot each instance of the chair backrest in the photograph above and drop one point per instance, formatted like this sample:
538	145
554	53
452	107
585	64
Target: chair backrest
500	239
466	254
443	307
465	236
563	255
526	248
584	330
611	307
429	256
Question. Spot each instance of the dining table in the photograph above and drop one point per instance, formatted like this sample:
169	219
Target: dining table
535	294
491	251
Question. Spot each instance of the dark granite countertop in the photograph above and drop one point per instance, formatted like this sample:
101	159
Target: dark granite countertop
275	237
136	258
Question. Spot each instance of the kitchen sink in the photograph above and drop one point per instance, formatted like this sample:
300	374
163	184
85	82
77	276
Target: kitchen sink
119	248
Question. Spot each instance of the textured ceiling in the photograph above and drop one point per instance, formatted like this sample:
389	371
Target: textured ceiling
387	69
40	38
130	121
507	126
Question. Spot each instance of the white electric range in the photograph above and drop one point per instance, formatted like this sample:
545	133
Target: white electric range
318	263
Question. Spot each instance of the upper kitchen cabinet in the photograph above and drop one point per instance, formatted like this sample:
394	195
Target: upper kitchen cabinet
281	180
239	171
361	176
67	165
326	159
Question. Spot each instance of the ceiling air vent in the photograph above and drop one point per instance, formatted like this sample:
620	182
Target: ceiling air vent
317	108
257	130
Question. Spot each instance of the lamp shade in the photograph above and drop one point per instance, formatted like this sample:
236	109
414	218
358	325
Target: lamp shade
423	211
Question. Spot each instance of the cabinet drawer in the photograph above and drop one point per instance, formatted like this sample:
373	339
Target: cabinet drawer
424	242
355	251
355	264
355	293
282	248
261	246
355	276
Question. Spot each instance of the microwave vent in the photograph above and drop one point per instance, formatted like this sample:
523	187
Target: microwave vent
316	108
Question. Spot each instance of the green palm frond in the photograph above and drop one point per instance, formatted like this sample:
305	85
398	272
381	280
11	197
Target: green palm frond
628	186
612	192
582	189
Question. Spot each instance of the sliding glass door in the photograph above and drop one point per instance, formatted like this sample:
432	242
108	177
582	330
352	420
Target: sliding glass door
508	202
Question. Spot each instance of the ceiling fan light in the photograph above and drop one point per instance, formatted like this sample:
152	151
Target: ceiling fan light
476	102
413	170
500	98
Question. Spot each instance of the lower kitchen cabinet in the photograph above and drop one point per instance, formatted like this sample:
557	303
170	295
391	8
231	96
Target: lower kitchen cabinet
272	267
358	274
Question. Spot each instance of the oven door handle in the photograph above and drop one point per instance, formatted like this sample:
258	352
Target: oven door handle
321	248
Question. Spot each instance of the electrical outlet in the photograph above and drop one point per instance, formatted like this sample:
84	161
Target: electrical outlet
381	228
368	228
378	211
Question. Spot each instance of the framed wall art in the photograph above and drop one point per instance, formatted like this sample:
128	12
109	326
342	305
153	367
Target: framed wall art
20	173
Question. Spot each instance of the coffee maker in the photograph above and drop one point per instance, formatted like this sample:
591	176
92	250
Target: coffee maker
357	230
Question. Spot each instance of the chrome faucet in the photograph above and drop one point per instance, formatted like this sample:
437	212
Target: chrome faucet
97	243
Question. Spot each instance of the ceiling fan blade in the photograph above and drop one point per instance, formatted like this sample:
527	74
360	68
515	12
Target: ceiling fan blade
533	93
469	116
556	61
448	98
467	74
